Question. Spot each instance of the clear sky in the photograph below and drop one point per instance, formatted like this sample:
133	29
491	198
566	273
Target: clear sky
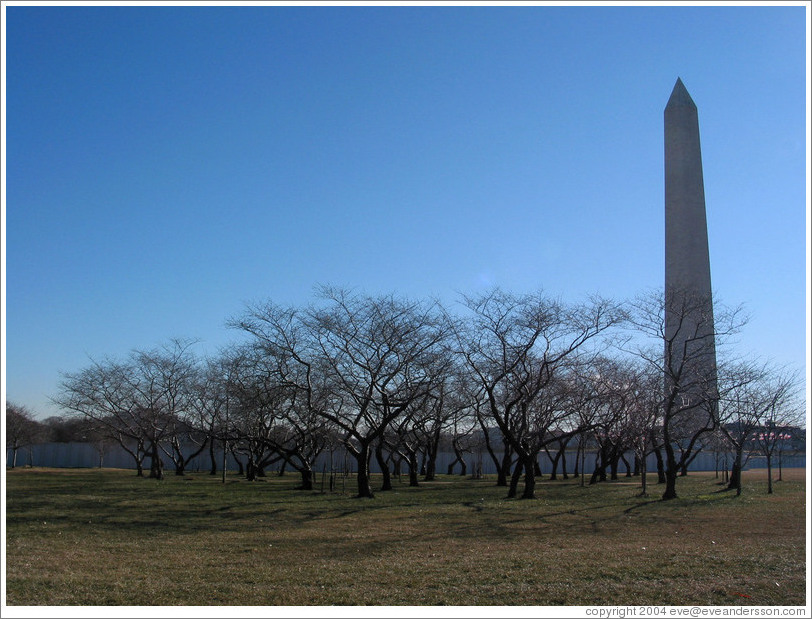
166	165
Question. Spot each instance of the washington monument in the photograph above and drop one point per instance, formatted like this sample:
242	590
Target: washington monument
690	355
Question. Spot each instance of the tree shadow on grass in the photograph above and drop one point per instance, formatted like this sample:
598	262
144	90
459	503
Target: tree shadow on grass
634	508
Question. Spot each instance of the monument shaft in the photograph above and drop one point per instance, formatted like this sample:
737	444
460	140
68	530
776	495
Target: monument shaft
689	327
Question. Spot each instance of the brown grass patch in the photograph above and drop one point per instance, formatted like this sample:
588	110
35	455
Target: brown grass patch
89	537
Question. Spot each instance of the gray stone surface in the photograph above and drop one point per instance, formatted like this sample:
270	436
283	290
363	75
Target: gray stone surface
687	261
689	307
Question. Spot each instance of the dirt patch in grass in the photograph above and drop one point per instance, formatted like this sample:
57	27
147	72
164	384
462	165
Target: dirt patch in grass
105	537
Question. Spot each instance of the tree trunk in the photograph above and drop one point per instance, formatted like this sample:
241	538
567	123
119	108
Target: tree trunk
687	462
504	467
156	466
180	464
530	478
601	464
628	466
432	447
362	459
431	468
212	458
387	477
307	479
736	472
514	479
563	453
583	464
769	473
250	469
643	473
413	469
488	447
671	472
459	457
780	465
554	461
660	466
596	471
670	484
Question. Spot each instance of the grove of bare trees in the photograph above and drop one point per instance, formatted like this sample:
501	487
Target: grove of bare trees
511	377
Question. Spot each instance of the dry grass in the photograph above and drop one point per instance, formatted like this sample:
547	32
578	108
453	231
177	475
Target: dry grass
89	537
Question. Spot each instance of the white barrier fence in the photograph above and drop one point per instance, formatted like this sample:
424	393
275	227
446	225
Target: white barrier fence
86	455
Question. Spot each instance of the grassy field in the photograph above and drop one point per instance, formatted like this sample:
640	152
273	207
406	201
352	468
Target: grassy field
105	537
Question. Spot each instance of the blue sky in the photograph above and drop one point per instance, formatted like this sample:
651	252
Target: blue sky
166	165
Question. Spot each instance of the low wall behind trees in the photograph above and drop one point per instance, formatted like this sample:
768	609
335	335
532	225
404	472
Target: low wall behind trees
86	455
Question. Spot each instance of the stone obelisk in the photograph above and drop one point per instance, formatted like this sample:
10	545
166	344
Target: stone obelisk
689	327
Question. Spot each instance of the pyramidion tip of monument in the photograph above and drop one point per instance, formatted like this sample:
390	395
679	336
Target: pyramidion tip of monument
680	97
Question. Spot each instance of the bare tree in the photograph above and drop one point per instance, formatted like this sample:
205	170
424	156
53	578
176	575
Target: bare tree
462	438
283	349
162	381
217	398
491	434
624	398
102	394
745	398
449	405
783	413
519	348
404	439
686	333
604	395
377	354
138	402
643	416
208	405
22	429
254	420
